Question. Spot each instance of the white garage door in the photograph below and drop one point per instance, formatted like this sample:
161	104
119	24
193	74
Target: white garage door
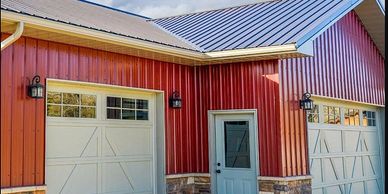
344	149
99	141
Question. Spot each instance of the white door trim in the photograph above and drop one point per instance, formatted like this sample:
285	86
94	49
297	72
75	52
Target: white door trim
212	135
159	126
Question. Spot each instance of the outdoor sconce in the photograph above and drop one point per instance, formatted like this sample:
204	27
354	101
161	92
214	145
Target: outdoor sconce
35	89
306	103
175	100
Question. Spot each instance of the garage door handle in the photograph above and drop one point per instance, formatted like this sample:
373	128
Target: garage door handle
218	171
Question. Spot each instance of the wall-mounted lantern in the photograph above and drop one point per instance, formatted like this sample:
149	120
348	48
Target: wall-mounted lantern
35	89
175	100
306	103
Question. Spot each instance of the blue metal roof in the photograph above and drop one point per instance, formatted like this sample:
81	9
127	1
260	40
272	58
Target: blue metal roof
256	25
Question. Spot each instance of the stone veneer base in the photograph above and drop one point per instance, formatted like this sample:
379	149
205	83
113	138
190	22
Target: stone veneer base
285	185
198	183
188	184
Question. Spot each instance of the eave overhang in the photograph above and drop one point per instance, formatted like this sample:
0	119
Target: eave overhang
45	29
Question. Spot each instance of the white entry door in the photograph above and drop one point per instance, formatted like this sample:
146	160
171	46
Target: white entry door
99	140
235	154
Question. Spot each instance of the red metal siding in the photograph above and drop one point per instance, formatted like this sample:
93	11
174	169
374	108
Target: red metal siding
346	65
252	85
242	85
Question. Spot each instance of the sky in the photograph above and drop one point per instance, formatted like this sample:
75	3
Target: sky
163	8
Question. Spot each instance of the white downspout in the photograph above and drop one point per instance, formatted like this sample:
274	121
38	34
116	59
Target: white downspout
16	35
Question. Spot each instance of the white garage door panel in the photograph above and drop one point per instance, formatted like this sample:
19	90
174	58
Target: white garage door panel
72	178
127	177
344	159
100	155
128	141
71	141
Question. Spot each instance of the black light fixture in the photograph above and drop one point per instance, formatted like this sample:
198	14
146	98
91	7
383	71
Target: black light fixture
35	89
306	103
175	100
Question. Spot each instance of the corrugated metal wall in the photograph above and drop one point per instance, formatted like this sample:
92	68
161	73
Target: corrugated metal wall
346	65
242	85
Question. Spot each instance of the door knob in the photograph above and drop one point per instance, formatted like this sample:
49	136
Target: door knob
218	171
218	164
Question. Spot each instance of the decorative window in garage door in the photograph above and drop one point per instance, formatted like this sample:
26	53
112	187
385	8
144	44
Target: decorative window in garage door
126	108
73	105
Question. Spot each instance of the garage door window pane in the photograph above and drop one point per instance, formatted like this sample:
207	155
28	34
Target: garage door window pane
88	100
128	103
70	111
331	115
141	115
54	97
113	113
352	117
313	115
69	98
88	112
142	104
113	102
128	114
53	110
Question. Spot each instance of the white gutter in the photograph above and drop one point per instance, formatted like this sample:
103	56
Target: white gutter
16	35
260	51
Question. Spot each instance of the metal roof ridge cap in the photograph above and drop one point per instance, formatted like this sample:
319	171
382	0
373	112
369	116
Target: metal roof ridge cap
115	9
253	51
74	29
204	11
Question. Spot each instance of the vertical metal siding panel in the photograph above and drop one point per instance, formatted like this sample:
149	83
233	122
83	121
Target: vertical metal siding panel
18	96
41	69
73	63
298	146
29	120
338	61
352	61
63	61
332	61
53	60
366	51
93	66
6	108
283	167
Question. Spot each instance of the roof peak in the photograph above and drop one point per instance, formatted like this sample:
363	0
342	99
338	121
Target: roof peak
115	9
